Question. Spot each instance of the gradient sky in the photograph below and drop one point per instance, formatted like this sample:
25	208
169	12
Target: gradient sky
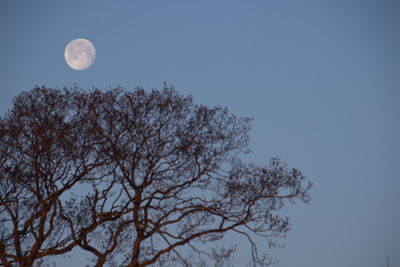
321	78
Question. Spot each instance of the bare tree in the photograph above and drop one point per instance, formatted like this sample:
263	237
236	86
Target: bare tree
162	180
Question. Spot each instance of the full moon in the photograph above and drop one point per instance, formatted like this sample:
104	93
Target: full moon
80	54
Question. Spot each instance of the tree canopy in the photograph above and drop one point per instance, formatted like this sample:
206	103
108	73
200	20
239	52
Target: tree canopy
135	178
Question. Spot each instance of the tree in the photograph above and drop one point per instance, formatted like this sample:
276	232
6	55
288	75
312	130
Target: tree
136	178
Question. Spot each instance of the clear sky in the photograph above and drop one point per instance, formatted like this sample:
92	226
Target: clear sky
320	77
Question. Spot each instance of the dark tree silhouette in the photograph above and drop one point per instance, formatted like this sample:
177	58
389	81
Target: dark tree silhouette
136	178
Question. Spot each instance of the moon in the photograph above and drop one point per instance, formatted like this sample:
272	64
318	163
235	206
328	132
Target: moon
80	54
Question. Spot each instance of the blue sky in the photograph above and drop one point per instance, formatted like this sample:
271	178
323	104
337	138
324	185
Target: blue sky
321	78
